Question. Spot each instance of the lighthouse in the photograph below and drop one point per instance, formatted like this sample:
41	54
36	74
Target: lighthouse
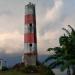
30	39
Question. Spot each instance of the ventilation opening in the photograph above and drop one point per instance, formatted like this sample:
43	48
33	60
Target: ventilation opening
30	45
30	25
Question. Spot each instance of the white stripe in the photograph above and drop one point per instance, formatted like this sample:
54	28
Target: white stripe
28	48
27	28
31	60
29	10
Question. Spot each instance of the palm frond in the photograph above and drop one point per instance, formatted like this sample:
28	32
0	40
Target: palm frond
72	61
66	31
49	49
73	31
51	57
71	28
54	64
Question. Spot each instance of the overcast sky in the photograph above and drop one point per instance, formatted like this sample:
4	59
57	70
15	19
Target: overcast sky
51	16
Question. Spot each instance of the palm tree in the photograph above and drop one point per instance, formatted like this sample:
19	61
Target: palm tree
71	36
65	54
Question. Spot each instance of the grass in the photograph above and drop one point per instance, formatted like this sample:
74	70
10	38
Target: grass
22	70
14	73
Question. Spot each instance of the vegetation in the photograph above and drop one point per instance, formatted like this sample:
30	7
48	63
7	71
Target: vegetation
20	69
65	54
11	72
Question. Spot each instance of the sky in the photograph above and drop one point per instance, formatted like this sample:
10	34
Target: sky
51	17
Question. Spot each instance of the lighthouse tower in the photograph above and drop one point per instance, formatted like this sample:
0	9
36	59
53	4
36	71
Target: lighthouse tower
30	40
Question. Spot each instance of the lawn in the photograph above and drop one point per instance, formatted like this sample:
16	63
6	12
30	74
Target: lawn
14	73
22	70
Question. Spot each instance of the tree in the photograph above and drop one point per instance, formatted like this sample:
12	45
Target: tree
72	48
65	54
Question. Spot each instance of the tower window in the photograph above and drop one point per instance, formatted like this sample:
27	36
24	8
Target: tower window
30	27
30	45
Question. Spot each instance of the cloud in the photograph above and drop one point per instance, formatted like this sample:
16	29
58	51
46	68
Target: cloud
50	17
48	26
9	22
6	12
55	13
49	39
69	20
11	42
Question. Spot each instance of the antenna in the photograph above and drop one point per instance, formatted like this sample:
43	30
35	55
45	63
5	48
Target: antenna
32	1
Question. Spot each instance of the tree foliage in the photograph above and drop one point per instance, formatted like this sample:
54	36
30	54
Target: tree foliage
64	55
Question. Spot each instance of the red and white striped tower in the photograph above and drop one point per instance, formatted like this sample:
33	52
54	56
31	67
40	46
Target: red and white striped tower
30	40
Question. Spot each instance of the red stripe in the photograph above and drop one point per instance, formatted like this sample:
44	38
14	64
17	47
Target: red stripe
29	38
30	54
29	19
